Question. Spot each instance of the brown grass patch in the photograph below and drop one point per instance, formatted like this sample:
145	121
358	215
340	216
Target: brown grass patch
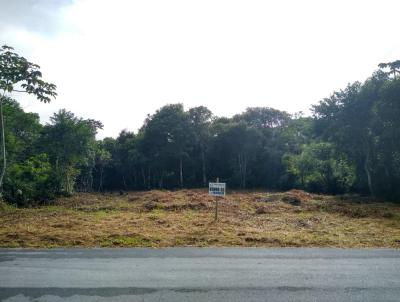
186	218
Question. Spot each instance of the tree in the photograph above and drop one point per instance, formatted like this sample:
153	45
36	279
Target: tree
263	117
102	158
267	168
387	139
19	75
166	141
200	120
394	68
234	150
362	121
28	175
70	142
320	168
350	144
126	158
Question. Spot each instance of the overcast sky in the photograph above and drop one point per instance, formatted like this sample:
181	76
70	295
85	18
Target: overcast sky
117	61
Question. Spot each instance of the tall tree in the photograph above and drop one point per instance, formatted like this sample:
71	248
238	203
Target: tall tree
28	175
166	140
70	143
17	74
102	158
394	68
200	120
347	119
234	150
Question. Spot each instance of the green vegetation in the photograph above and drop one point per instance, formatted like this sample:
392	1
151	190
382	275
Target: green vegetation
351	144
17	72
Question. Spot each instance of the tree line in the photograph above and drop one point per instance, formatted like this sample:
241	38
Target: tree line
350	144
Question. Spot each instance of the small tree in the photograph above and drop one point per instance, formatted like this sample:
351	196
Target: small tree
17	74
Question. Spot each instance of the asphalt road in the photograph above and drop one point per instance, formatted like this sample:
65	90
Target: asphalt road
196	274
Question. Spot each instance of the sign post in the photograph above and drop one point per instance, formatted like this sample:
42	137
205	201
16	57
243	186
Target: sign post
218	190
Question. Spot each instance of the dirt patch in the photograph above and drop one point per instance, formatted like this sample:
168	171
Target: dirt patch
133	198
296	197
197	206
261	210
150	205
292	197
353	209
307	223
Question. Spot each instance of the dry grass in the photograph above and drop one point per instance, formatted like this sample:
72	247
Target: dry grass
185	218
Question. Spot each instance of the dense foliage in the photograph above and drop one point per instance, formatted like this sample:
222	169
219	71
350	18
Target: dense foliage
351	143
17	74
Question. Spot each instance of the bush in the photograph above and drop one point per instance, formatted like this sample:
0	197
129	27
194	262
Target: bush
30	181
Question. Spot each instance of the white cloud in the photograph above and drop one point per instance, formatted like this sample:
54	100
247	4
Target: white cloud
116	61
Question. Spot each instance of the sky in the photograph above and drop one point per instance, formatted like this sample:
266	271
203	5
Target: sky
117	61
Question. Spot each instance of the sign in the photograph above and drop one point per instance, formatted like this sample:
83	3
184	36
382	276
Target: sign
216	188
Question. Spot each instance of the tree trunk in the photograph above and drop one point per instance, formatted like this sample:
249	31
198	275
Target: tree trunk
203	164
59	178
371	190
240	169
68	182
90	181
144	178
181	171
368	173
101	180
124	181
3	170
148	179
242	161
244	170
161	180
135	179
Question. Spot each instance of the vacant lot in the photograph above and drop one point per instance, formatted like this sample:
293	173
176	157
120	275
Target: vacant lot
186	218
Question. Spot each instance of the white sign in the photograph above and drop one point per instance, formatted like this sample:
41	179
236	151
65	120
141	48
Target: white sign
216	188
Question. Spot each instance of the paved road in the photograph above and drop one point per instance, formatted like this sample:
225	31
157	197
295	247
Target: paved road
190	274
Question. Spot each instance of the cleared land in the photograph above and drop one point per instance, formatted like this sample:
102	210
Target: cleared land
185	218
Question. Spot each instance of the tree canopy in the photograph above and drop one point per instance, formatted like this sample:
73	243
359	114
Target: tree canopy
350	144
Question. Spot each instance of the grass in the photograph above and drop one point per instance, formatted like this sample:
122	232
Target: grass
185	218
